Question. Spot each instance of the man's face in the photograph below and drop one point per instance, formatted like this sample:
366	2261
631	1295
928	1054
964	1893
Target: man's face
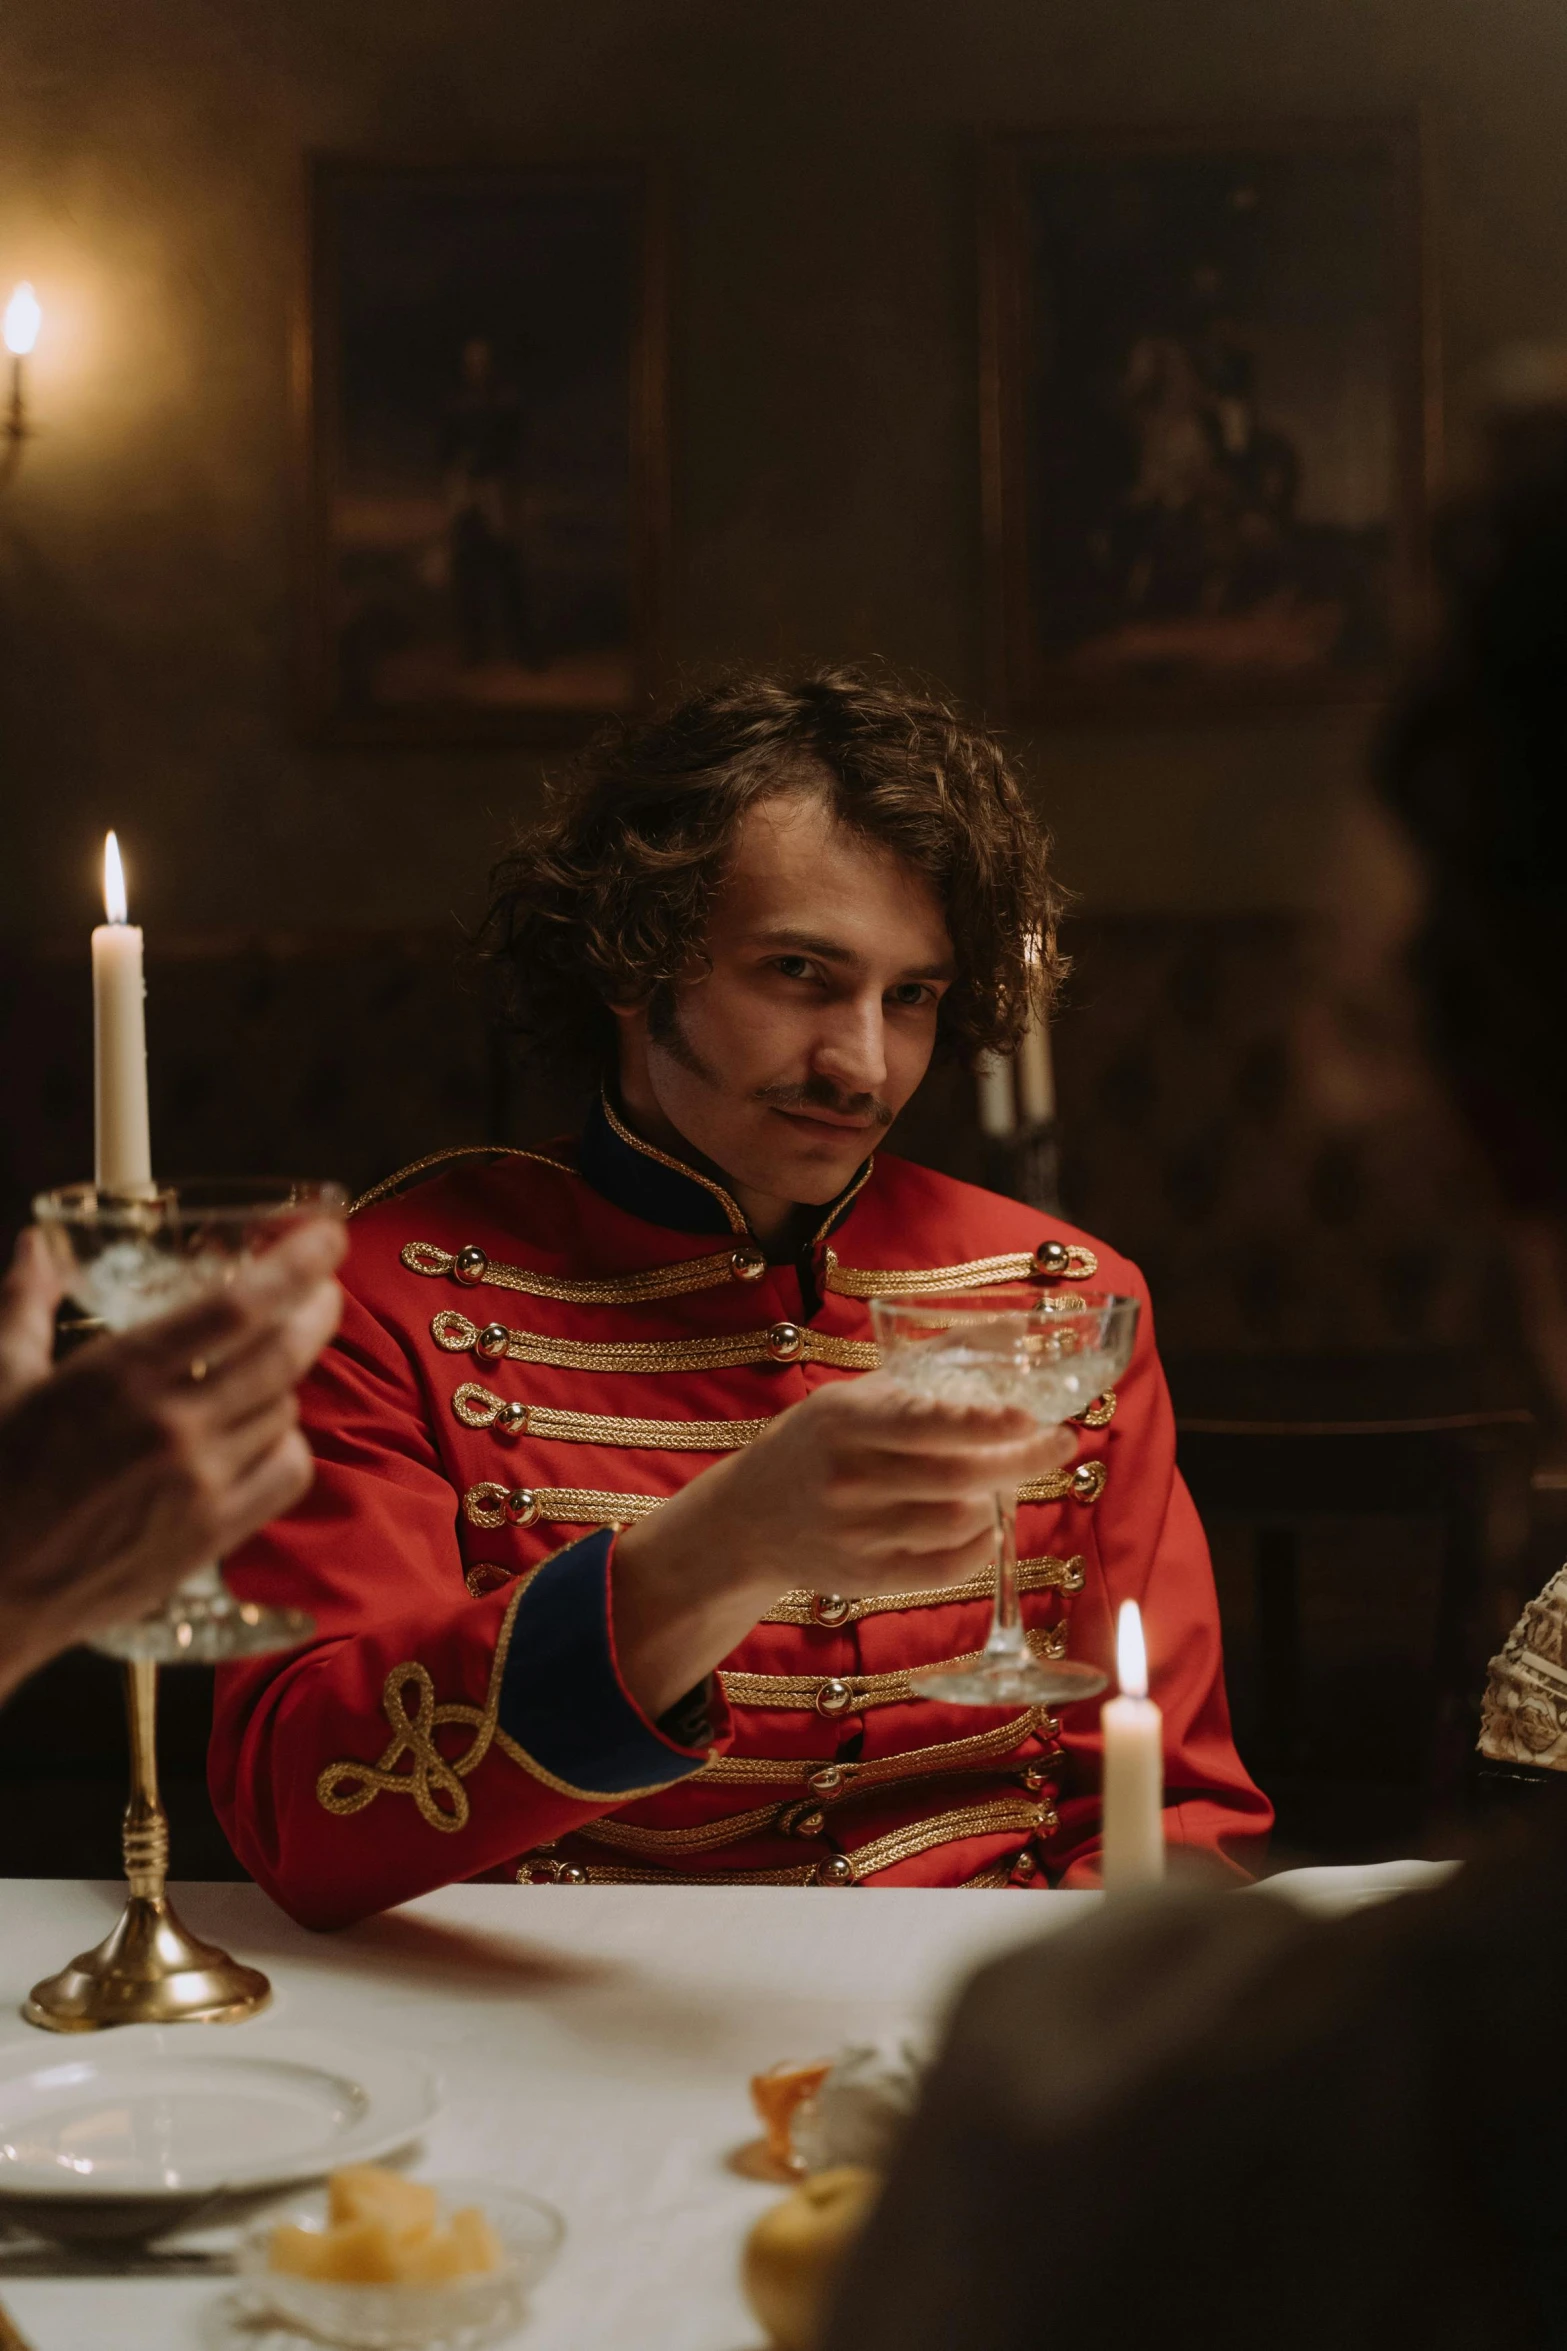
786	1062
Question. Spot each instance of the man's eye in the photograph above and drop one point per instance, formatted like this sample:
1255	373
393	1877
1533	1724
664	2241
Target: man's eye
793	967
911	992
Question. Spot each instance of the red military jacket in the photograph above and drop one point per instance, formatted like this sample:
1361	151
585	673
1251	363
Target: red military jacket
535	1351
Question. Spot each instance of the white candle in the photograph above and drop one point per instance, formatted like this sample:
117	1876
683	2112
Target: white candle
1036	1077
1133	1731
993	1079
124	1144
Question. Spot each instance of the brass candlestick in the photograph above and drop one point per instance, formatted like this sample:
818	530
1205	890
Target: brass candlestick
149	1968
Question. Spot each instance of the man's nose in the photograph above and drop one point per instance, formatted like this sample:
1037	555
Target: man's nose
852	1049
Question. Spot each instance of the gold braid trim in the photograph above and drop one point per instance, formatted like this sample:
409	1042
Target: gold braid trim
921	1836
434	1780
391	1183
660	1281
489	1505
797	1693
795	1819
884	1770
1099	1414
1083	1482
456	1334
476	1407
1044	1574
977	1820
852	1281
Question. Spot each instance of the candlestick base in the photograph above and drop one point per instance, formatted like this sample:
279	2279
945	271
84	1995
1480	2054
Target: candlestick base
149	1969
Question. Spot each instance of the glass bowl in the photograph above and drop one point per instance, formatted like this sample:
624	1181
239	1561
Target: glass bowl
459	2316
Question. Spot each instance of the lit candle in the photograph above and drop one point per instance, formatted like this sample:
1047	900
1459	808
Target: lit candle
1036	1078
1133	1728
993	1079
124	1145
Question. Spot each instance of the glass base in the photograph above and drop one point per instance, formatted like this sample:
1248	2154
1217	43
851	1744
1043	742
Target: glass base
1006	1679
202	1623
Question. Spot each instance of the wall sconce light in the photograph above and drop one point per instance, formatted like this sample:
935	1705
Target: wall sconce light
23	318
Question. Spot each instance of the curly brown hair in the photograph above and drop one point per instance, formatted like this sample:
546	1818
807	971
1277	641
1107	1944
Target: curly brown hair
605	897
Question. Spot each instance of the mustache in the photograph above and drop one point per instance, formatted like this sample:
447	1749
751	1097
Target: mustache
822	1094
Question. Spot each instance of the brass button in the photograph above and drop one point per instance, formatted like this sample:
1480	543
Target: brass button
786	1342
829	1608
823	1782
838	1871
470	1265
511	1420
747	1265
809	1823
522	1506
1088	1481
492	1341
571	1875
1026	1866
1033	1780
834	1697
1050	1724
1052	1258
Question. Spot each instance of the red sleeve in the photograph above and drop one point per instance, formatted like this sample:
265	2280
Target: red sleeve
424	1735
1152	1549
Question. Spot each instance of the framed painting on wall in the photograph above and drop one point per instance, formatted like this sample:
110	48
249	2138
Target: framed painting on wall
1205	415
482	396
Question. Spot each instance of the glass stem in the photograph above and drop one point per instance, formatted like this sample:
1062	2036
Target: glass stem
1006	1627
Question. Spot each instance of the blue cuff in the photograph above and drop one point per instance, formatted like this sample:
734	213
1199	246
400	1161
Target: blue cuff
562	1700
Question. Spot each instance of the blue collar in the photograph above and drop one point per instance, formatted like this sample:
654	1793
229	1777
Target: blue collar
647	1182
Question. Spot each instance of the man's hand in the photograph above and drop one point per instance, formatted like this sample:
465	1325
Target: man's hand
150	1452
860	1489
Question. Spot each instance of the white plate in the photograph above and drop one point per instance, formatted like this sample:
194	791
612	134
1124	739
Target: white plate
160	2111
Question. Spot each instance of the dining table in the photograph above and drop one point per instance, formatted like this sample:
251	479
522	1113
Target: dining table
593	2046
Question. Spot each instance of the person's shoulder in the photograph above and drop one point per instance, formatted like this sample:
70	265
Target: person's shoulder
917	1216
475	1197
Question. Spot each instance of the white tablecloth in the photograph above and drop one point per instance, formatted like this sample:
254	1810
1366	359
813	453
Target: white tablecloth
594	2043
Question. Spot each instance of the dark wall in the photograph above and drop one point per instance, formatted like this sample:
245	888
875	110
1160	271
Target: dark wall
825	476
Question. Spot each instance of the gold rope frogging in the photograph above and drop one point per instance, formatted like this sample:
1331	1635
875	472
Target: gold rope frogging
432	1779
787	1819
796	1693
456	1334
913	1763
477	1406
1044	1574
489	1505
1019	1265
659	1281
717	1270
1000	1817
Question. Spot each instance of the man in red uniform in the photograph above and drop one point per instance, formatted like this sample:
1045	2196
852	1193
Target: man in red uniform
759	917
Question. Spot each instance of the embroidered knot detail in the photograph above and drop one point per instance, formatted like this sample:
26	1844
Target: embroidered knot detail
433	1780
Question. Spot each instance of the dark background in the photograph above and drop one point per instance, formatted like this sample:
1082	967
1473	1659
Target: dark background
1242	1106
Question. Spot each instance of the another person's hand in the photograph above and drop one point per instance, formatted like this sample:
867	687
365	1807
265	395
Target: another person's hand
153	1451
859	1489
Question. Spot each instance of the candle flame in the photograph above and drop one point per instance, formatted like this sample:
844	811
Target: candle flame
23	318
1131	1653
114	902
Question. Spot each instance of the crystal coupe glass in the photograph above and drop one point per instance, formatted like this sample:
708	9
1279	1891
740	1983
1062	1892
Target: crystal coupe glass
1050	1355
125	1260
